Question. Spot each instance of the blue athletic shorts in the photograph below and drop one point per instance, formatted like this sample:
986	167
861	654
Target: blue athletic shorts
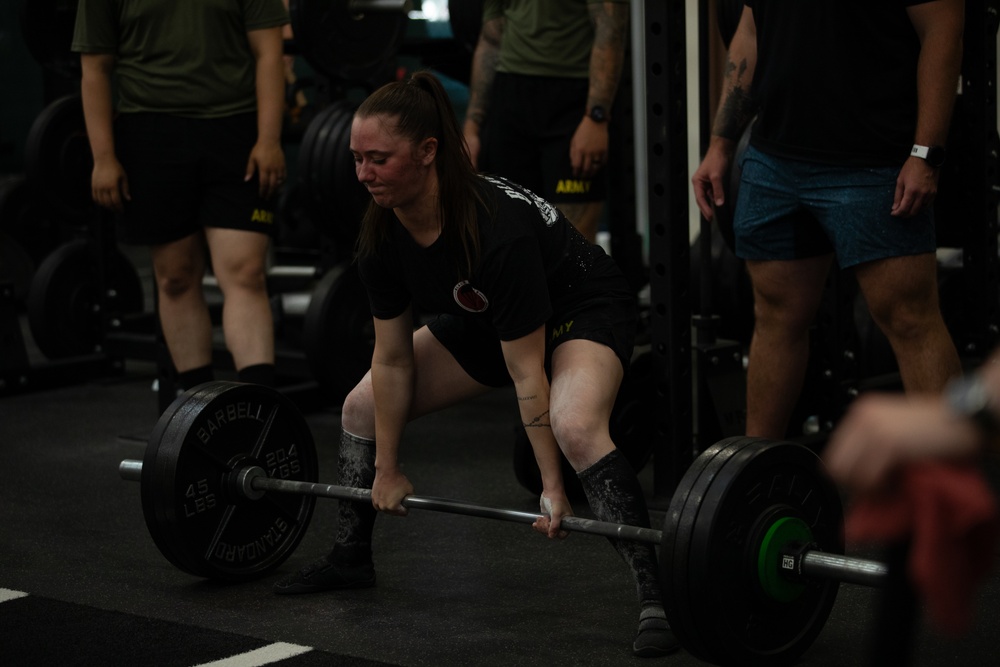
788	209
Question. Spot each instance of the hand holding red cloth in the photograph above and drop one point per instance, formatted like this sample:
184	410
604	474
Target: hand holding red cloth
949	514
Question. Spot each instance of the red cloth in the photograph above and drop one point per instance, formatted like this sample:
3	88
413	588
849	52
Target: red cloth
950	516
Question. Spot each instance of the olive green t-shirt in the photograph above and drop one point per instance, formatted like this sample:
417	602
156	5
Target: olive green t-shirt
182	57
545	37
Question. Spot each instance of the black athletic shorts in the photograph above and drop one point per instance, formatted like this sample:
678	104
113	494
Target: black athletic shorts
527	134
185	174
476	346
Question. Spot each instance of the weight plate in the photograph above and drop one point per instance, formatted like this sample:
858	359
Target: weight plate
774	534
57	157
16	266
311	163
338	335
305	158
196	516
327	172
64	299
716	585
27	220
353	47
674	552
47	29
352	197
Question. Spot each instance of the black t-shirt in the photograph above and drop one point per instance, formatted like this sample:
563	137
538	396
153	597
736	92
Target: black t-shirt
532	262
836	80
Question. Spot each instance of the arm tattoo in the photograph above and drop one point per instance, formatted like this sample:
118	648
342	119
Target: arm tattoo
738	106
610	21
527	398
538	422
484	68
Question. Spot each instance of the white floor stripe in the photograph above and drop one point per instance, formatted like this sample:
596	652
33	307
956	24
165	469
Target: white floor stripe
6	595
262	656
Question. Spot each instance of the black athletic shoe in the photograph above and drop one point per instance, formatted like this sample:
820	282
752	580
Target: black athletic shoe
322	575
654	643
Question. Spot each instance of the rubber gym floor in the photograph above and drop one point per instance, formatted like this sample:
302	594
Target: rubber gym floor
82	583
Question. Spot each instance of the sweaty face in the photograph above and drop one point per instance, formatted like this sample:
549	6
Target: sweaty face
387	163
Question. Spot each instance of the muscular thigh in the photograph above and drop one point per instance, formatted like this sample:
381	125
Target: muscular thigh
440	382
908	283
236	251
586	376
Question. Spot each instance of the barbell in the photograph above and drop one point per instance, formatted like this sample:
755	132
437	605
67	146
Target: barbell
751	551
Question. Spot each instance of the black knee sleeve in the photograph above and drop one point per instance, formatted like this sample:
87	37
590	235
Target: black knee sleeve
615	495
355	520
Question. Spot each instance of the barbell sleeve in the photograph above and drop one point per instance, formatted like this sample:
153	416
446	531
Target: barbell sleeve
848	569
130	470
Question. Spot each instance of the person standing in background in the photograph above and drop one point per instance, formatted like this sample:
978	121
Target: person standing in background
184	104
853	101
544	77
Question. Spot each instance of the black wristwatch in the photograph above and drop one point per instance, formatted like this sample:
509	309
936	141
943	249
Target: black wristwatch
932	155
968	397
598	114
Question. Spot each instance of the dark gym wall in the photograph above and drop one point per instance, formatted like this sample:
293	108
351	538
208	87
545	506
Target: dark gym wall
21	89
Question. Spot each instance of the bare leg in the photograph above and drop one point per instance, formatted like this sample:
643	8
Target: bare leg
239	261
187	328
440	382
786	297
585	380
902	297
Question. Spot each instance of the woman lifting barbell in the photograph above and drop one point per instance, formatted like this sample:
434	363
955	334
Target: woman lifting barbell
522	298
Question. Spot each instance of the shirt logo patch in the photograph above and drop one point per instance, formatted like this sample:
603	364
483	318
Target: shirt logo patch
469	298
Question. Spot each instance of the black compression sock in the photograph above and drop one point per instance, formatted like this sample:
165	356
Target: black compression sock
194	377
614	494
262	374
355	520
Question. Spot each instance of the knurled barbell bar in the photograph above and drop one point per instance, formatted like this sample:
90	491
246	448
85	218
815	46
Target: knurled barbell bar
252	482
750	552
